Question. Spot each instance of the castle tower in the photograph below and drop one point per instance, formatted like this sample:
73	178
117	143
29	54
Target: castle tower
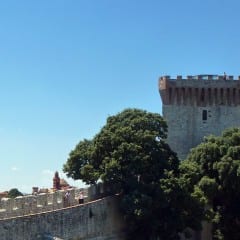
56	181
198	106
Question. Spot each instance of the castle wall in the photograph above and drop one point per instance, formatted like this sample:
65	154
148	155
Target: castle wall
37	203
197	107
98	220
95	220
25	205
187	128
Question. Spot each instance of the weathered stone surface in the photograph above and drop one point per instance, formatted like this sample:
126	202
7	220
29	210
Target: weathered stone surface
97	220
197	107
25	205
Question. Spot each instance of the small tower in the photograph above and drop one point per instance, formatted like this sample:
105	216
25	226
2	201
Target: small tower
56	181
198	106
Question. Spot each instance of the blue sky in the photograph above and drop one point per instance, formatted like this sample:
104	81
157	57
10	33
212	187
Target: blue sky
65	66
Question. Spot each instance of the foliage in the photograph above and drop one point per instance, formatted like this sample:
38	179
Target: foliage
130	155
80	164
162	209
213	168
13	193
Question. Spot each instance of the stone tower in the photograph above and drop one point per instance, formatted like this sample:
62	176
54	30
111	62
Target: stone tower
56	181
198	106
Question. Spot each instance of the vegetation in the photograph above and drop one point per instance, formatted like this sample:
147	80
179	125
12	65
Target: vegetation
13	193
213	171
130	155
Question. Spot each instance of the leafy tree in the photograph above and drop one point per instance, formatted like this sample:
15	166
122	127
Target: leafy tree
213	169
13	193
80	164
130	155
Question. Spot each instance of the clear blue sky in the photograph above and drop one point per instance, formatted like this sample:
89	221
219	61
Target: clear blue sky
65	66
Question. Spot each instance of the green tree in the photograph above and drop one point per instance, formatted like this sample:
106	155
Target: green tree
130	155
80	164
14	192
213	169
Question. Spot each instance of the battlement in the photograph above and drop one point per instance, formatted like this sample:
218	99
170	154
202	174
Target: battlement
200	90
200	77
99	219
43	202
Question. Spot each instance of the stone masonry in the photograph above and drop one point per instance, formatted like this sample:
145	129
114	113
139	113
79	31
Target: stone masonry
198	106
25	205
99	219
96	220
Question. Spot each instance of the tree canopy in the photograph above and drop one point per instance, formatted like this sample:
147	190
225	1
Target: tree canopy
130	154
14	192
213	170
129	143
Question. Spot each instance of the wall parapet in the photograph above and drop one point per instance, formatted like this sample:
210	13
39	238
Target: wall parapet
100	219
201	77
200	90
43	202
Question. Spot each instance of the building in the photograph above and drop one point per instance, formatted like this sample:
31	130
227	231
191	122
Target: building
4	194
60	183
198	106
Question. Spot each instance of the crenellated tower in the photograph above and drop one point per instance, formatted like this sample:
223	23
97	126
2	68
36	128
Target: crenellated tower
197	106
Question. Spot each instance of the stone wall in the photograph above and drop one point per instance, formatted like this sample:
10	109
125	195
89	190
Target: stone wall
37	203
24	205
187	128
97	220
199	91
197	107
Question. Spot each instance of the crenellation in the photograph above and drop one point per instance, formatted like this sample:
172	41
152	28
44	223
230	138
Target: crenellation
72	200
52	200
75	222
197	106
205	92
43	202
19	205
30	205
205	77
7	204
